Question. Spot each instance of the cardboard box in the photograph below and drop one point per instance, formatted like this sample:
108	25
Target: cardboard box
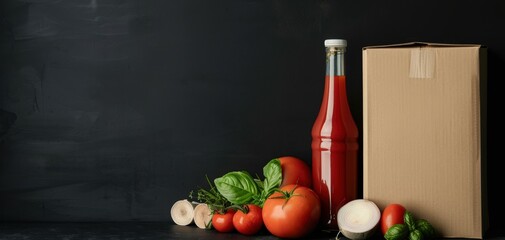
423	133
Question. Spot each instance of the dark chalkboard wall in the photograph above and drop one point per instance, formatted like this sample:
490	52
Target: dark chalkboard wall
111	110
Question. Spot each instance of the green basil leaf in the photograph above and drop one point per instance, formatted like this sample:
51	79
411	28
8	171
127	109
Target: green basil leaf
425	227
273	175
416	235
408	218
397	232
238	187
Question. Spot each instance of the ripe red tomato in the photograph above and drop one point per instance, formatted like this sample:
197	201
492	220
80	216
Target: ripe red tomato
294	213
223	222
391	215
295	171
248	223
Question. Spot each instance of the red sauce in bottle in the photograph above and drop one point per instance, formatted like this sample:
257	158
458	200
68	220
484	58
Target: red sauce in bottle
334	141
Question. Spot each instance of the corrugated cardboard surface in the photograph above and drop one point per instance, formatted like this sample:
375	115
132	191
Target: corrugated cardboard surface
422	133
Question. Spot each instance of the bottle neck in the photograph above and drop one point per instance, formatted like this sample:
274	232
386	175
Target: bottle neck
335	61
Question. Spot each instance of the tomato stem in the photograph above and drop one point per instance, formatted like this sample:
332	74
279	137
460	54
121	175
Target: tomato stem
286	195
242	208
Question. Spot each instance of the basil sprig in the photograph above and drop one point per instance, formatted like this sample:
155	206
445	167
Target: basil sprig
412	229
240	188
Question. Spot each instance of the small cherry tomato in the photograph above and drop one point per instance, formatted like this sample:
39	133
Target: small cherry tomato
223	222
249	221
391	215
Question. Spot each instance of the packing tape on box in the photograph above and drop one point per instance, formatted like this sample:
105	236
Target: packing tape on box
422	62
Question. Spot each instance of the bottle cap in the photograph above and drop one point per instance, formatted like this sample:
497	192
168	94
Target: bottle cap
335	43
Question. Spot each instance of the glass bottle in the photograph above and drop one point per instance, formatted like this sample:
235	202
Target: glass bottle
334	140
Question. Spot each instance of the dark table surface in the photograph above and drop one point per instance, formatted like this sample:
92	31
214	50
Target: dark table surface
139	230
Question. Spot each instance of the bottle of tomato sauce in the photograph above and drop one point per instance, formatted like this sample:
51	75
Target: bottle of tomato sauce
334	140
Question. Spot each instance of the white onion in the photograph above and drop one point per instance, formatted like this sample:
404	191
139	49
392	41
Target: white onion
358	219
202	215
182	212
